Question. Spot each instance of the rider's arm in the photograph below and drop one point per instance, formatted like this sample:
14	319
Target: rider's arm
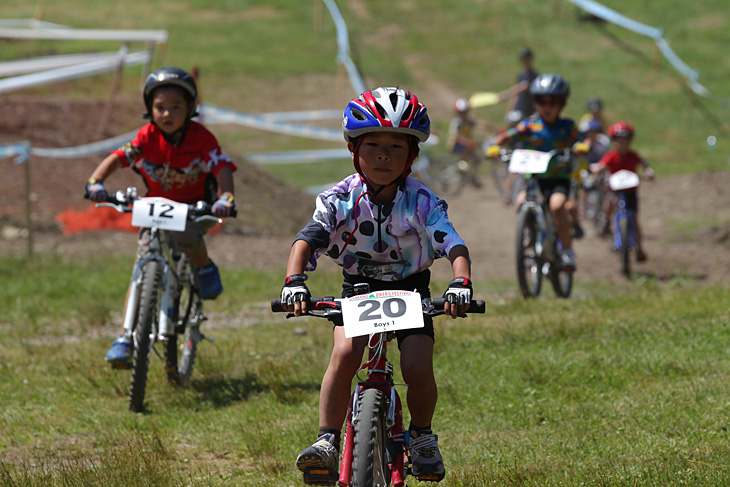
111	163
648	171
460	262
225	181
461	266
298	258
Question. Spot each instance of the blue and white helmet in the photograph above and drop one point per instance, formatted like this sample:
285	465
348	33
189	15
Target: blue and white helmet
386	109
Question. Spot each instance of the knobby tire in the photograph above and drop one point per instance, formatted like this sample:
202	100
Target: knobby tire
145	328
370	458
562	283
529	267
625	250
179	359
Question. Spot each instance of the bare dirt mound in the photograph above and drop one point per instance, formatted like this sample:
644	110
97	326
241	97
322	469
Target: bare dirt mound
266	204
686	218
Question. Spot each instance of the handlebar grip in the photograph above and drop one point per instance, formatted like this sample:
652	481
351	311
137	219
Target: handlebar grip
277	307
476	306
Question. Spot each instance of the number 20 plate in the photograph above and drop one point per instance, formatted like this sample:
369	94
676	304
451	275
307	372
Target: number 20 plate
161	213
381	311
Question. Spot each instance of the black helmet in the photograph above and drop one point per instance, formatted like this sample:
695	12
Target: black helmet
525	52
171	76
550	84
594	104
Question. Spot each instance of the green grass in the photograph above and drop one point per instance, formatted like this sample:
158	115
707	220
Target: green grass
612	388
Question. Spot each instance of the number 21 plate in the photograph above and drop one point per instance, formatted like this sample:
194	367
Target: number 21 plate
381	311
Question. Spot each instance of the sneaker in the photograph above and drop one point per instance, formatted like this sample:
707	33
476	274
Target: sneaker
568	260
210	281
577	230
641	255
426	461
319	462
121	352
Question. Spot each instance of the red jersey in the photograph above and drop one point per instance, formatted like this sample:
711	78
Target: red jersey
175	172
613	161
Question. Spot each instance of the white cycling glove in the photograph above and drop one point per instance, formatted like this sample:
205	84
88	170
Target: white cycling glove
459	291
294	289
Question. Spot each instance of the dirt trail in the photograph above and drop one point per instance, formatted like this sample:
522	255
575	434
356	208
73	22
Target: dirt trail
686	219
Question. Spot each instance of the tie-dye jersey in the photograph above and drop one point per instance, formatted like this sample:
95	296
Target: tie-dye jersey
535	134
392	241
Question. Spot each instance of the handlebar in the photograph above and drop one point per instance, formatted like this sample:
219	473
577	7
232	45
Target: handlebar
329	307
122	202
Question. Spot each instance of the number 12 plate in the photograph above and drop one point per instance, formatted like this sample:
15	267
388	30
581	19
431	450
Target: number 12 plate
159	212
381	311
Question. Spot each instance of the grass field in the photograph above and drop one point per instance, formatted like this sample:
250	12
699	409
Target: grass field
610	388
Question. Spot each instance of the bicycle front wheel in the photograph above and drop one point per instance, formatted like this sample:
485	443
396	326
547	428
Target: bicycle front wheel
450	175
625	249
144	333
562	283
369	457
529	272
179	360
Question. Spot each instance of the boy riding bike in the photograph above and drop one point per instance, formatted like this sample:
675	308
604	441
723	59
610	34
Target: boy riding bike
178	159
545	131
385	229
622	157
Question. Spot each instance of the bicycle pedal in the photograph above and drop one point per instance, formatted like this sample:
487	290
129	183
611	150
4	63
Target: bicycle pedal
121	366
320	476
431	478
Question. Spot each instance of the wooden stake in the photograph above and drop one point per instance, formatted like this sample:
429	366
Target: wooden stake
106	114
28	207
318	15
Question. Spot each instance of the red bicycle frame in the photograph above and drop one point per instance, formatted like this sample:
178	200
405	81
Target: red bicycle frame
380	376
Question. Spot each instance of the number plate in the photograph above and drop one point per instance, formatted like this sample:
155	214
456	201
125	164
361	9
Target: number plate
525	161
623	180
161	213
381	311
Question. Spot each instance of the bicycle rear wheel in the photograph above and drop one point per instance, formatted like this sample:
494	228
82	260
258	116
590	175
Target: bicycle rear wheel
529	272
144	333
370	458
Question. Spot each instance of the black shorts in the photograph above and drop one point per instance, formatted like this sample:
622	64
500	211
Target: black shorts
631	198
554	185
419	281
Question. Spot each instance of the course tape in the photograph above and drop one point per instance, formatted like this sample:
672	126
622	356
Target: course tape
74	72
25	66
343	48
657	35
279	122
19	150
216	114
298	157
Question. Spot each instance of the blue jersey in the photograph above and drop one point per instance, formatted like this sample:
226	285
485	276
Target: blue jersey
535	134
392	241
